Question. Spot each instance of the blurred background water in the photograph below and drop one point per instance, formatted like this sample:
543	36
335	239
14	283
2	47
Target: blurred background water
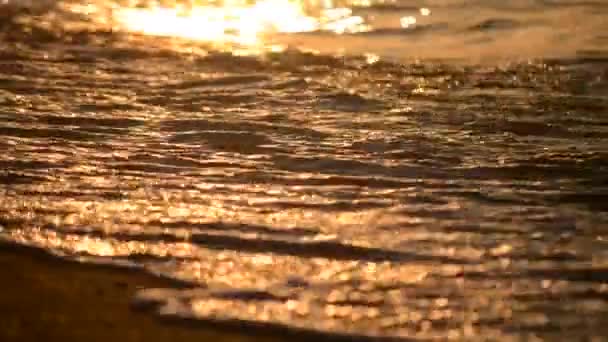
396	169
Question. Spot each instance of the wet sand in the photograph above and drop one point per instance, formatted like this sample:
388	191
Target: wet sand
46	299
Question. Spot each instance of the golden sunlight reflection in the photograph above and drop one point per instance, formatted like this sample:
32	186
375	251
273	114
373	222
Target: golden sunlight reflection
237	22
408	21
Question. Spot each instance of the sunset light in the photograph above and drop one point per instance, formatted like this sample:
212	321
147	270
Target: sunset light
251	170
236	23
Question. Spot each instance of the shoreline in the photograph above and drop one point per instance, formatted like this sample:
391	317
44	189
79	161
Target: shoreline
46	298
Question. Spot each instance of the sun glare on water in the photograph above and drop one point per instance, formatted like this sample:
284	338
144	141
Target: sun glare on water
235	22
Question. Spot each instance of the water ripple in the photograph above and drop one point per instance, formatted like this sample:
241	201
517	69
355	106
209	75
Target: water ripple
338	196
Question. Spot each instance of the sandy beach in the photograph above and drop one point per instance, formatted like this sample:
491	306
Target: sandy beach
47	299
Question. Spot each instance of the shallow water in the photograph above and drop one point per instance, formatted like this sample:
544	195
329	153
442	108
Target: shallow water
442	179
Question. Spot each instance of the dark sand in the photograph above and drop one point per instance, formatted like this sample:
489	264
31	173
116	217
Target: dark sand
43	298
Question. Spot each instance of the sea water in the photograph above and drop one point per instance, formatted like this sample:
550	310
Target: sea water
399	169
